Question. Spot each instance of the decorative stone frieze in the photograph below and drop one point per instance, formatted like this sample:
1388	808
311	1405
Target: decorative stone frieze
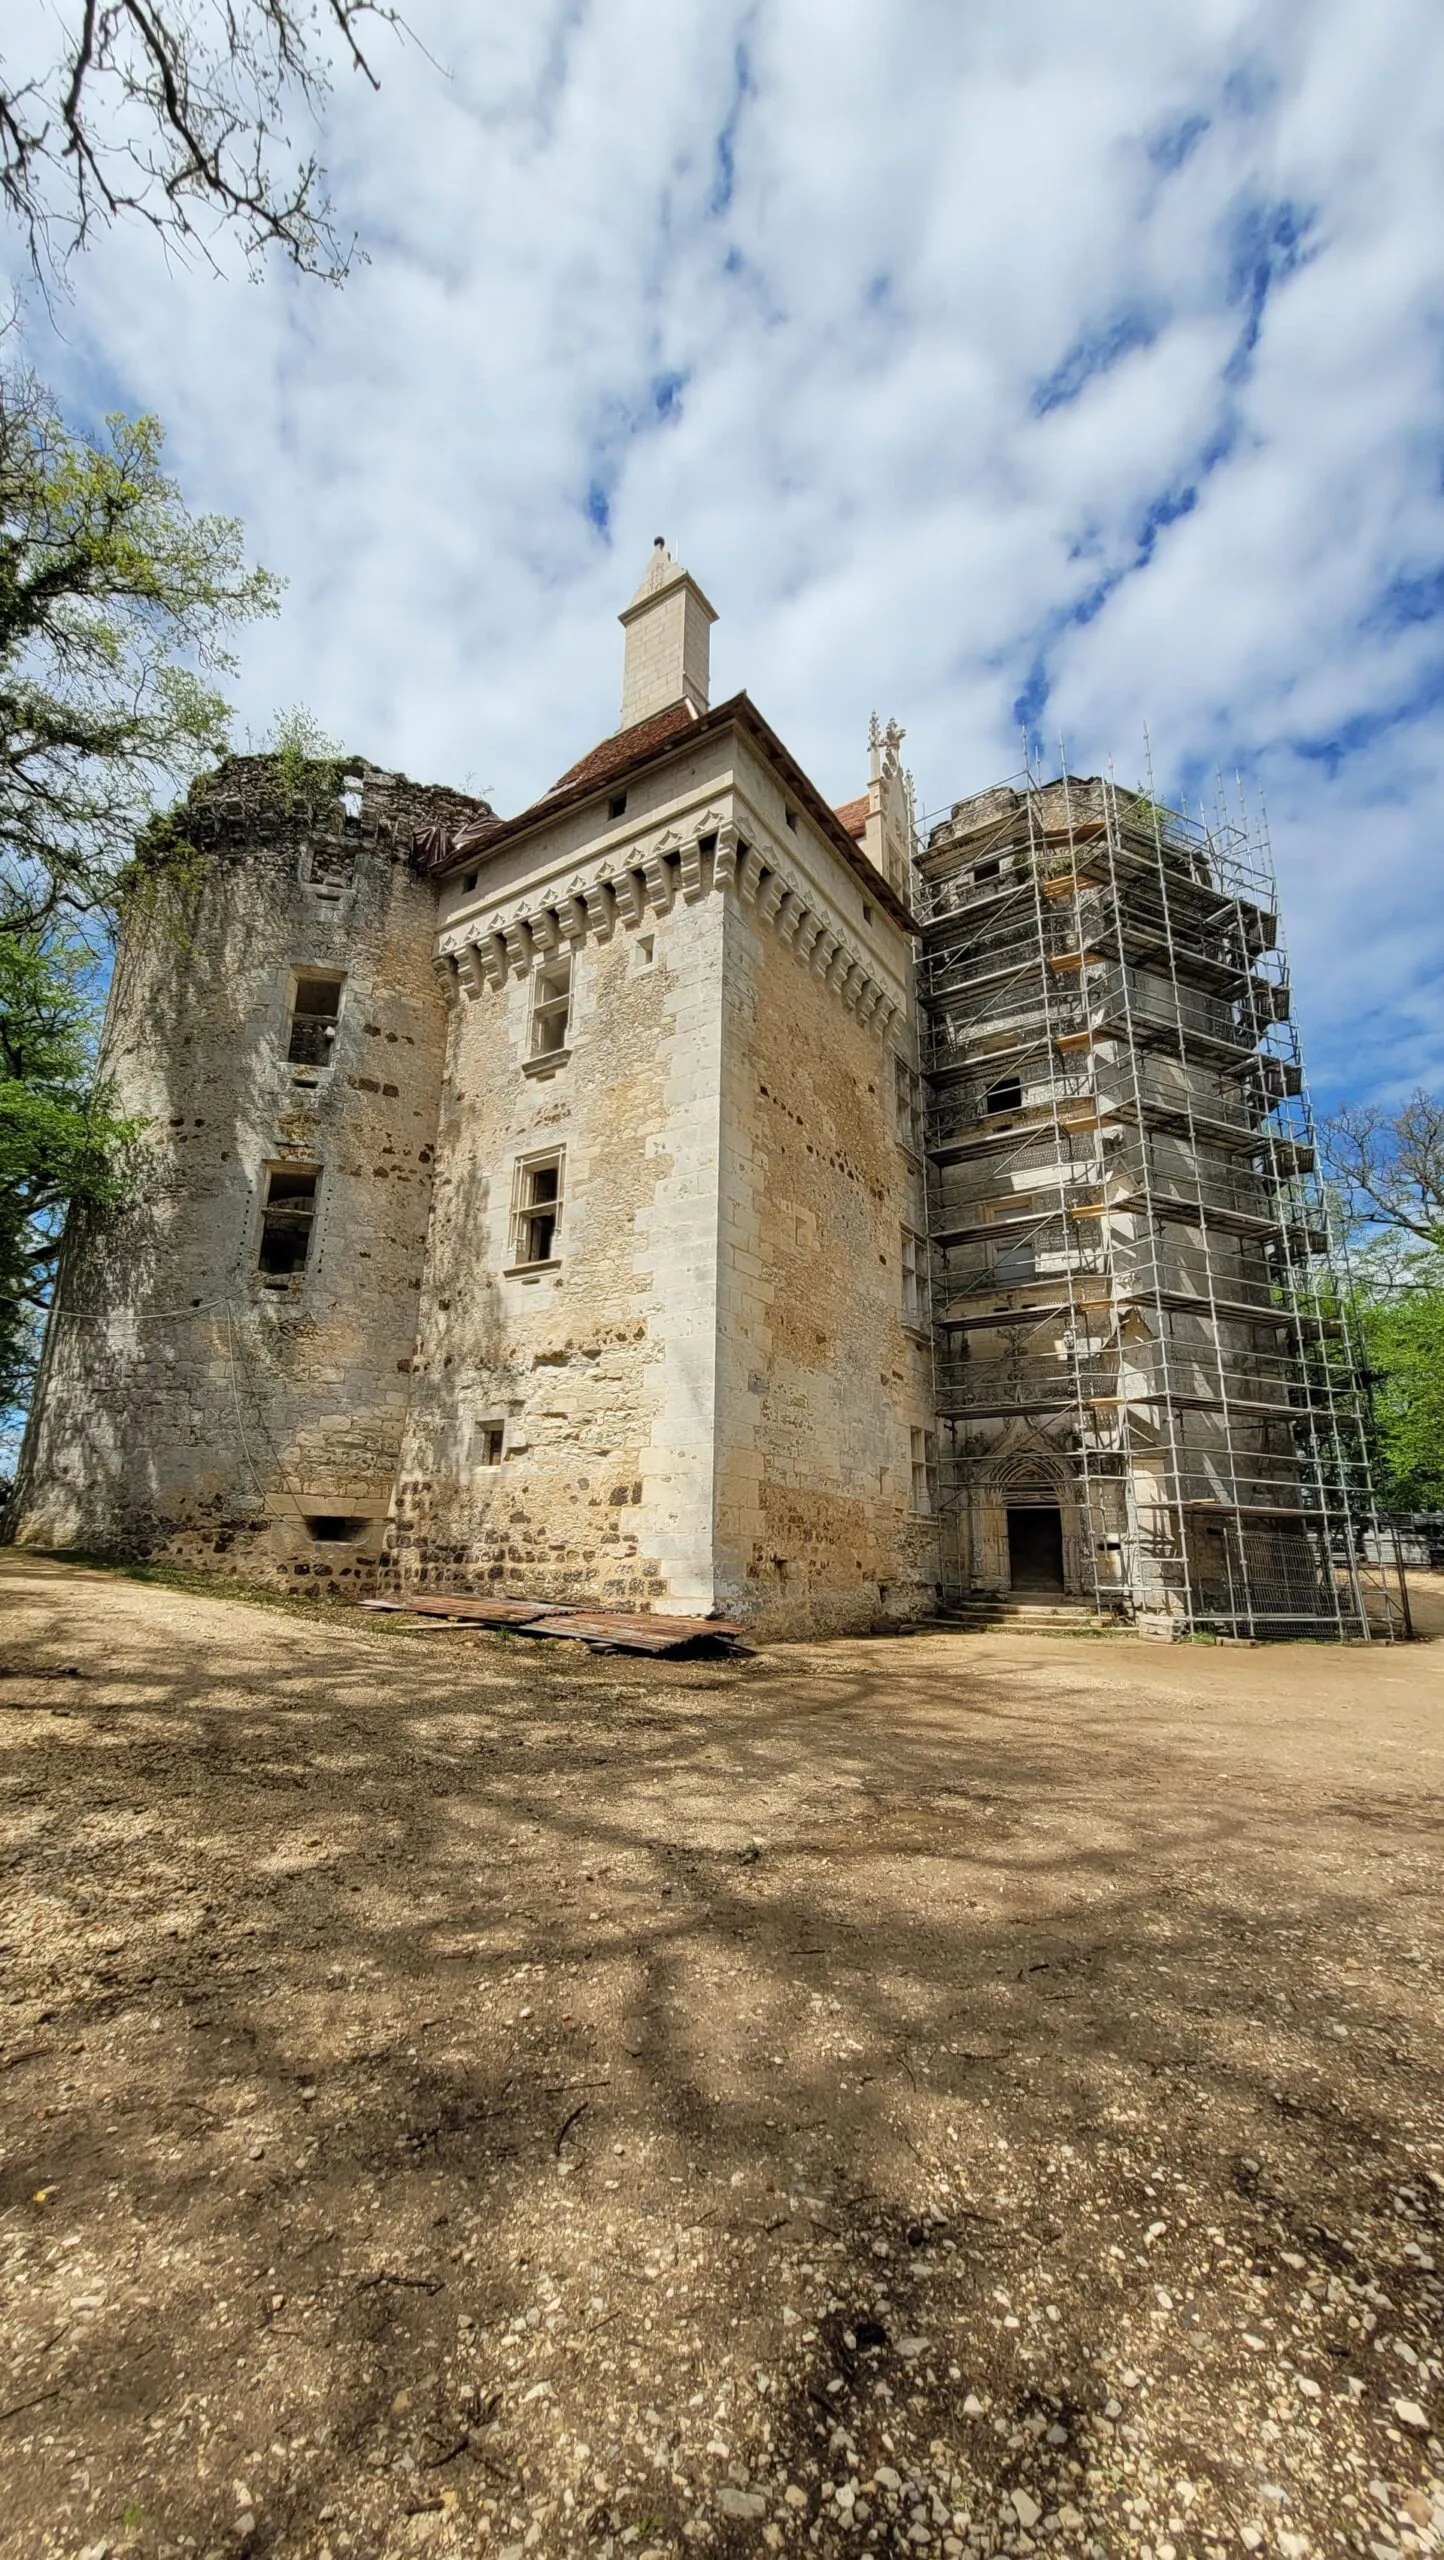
748	865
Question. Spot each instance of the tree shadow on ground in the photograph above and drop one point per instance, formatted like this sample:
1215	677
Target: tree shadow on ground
455	2087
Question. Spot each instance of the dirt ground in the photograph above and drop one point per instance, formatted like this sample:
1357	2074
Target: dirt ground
959	2093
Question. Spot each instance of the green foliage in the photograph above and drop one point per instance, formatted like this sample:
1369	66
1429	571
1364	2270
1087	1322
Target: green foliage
116	607
1402	1325
308	763
61	1141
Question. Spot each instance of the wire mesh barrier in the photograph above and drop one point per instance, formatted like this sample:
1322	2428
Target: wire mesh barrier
1140	1317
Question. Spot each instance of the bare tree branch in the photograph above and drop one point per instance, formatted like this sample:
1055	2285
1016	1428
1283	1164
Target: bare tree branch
1388	1167
181	114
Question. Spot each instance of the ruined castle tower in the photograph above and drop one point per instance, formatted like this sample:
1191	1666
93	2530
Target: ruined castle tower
530	1204
226	1370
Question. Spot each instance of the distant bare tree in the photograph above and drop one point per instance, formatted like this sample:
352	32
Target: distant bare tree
1388	1167
178	113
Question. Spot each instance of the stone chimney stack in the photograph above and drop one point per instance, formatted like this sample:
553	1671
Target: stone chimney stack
667	624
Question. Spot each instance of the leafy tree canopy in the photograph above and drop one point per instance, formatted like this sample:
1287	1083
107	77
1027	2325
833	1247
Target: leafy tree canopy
1402	1323
116	608
178	114
61	1141
1387	1170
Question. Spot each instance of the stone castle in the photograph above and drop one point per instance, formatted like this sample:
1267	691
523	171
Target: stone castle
692	1197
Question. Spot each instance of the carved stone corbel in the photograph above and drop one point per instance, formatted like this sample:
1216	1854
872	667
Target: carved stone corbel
724	860
545	930
771	895
749	873
661	886
601	913
790	915
630	892
517	940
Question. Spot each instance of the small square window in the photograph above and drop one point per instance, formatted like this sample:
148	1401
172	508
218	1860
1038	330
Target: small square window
536	1209
1005	1095
315	1008
1013	1263
986	870
470	880
617	805
551	1007
488	1444
287	1219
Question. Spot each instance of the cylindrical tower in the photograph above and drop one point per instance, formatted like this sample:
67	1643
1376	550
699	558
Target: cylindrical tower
226	1372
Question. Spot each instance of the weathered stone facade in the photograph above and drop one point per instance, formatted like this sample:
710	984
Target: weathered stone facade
191	1405
566	1253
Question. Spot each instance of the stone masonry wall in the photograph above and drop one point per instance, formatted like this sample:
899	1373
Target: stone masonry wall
600	1371
186	1408
821	1385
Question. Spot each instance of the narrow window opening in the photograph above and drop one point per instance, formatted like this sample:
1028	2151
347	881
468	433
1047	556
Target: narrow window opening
537	1214
335	1528
351	790
866	912
924	1472
914	1278
645	946
470	880
315	1008
908	1092
1005	1095
617	805
551	1009
488	1444
287	1220
791	816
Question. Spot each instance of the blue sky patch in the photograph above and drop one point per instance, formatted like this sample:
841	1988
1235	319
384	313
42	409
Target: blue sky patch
1097	352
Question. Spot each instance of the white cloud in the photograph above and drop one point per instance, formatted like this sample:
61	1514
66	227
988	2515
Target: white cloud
1086	353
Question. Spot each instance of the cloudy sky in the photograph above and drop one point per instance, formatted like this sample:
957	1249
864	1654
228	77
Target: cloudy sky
990	362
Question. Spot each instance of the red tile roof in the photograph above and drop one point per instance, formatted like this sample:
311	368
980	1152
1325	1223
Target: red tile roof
646	742
616	751
613	755
853	816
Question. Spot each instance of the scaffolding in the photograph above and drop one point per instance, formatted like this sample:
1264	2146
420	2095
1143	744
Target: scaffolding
1140	1322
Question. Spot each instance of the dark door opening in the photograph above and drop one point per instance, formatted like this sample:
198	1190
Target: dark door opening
1035	1547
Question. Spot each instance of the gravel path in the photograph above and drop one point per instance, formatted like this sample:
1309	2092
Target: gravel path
954	2094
